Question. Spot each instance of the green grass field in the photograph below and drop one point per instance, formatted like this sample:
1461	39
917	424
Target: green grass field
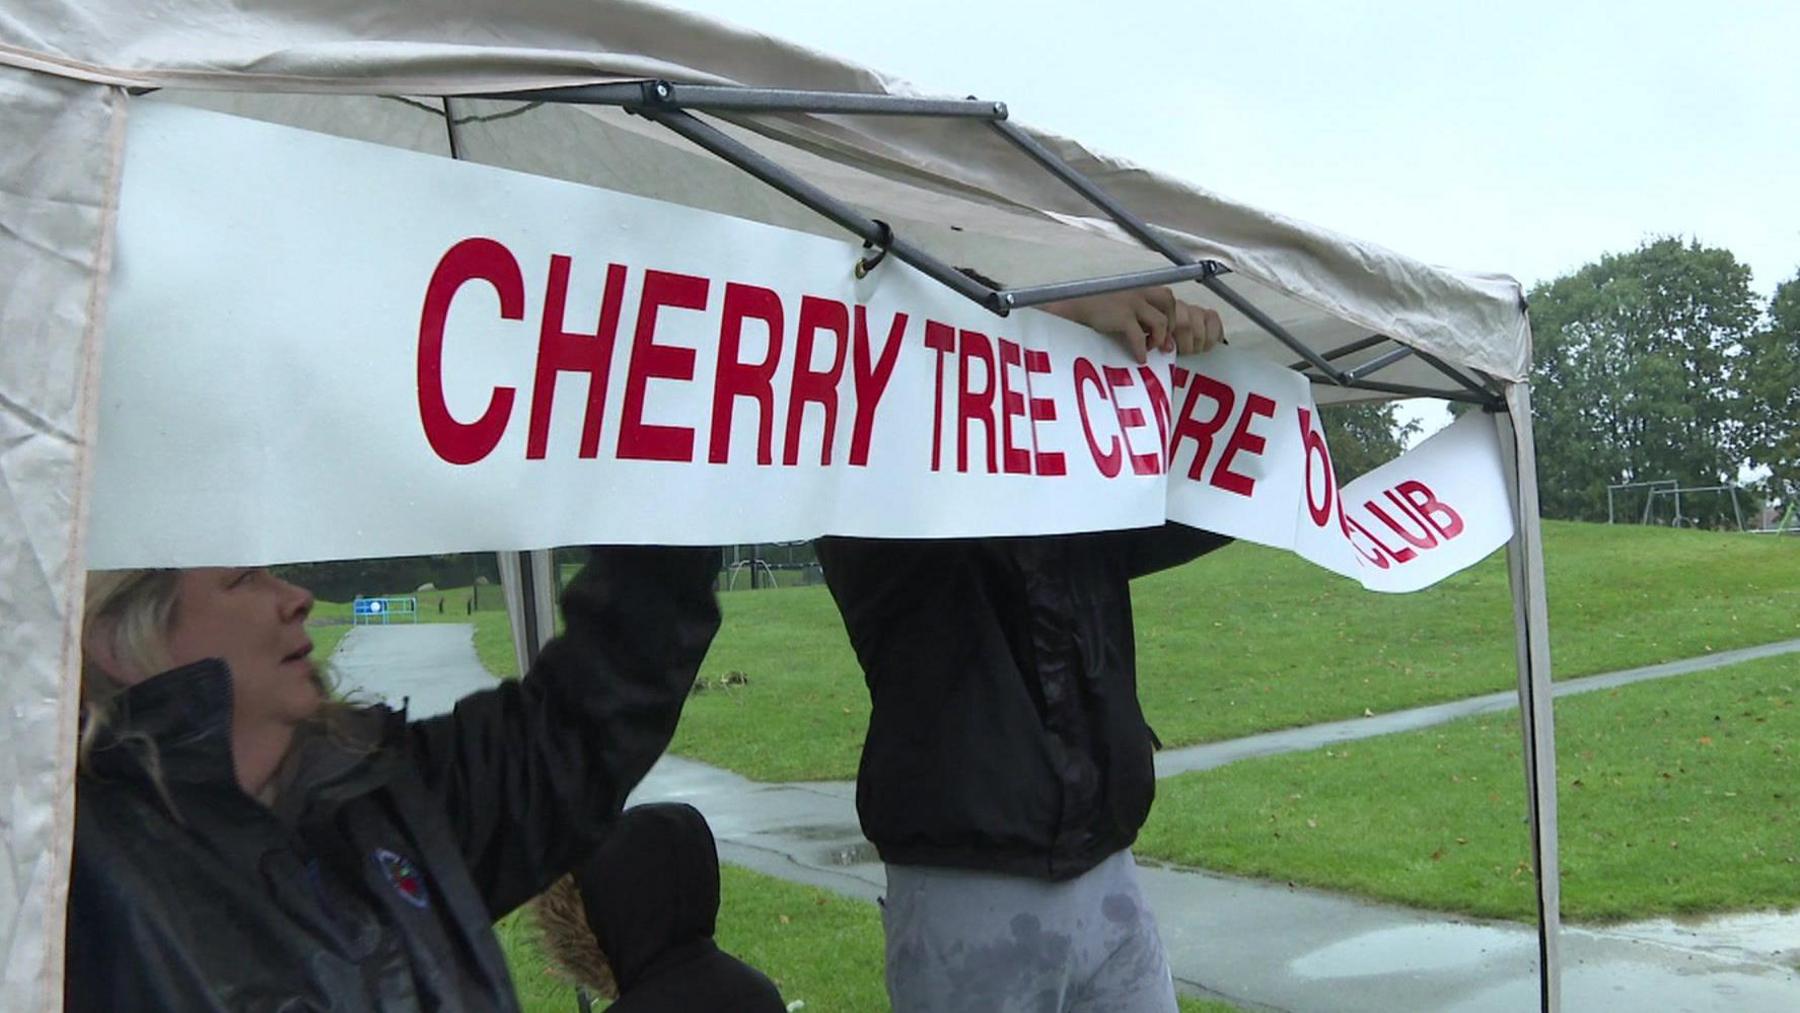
1676	797
1251	639
820	948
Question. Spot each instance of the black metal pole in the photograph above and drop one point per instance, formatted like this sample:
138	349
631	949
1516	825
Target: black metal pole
1140	230
1455	374
1342	350
719	98
1408	390
666	102
870	231
1037	295
1377	364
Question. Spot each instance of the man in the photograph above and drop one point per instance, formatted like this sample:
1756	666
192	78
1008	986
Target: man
1008	766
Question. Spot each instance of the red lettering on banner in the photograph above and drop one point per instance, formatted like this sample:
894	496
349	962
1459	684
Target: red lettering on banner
1400	555
1434	511
640	440
1319	508
1160	410
942	338
559	351
813	386
973	405
1013	460
1110	461
474	258
1351	529
1425	539
734	378
1041	409
871	380
1190	427
1117	378
1242	441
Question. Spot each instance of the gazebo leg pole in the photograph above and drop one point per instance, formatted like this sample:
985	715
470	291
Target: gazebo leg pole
1525	561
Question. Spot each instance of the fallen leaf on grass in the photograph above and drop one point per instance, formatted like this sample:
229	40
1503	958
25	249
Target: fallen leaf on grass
783	919
1437	855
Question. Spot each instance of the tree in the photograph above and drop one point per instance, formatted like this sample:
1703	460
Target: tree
1363	436
342	580
1772	394
1636	373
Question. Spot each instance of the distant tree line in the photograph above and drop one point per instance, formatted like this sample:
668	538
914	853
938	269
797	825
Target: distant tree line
345	579
1662	363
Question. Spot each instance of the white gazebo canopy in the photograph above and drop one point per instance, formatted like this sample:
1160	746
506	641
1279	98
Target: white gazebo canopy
964	186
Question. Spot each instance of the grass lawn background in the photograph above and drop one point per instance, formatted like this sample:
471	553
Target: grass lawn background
1675	797
1250	639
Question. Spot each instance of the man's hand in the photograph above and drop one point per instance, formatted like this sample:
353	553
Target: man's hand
1145	318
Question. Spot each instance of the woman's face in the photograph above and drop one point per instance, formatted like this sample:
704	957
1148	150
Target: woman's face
256	622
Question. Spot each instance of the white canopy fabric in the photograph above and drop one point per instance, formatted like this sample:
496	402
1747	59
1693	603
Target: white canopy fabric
68	74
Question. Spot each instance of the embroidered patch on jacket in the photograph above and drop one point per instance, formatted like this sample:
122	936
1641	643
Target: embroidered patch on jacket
403	876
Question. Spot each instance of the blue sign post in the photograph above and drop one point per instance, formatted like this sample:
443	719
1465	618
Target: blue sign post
381	609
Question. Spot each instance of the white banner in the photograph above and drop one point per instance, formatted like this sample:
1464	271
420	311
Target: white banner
320	348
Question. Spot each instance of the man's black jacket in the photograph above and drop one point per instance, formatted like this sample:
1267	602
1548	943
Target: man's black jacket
1005	734
372	882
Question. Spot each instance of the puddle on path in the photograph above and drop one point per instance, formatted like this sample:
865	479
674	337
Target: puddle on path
820	832
1761	935
1410	949
859	853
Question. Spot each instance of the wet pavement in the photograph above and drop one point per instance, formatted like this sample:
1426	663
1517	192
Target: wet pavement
1269	946
432	664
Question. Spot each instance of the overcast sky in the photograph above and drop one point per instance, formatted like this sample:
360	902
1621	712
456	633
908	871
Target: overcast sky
1527	137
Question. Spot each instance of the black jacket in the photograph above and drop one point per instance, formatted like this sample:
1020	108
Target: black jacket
1005	734
373	881
651	896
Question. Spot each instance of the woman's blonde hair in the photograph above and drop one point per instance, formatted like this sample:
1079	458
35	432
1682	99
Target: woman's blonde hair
127	613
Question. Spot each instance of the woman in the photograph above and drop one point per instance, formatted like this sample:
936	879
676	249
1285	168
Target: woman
244	843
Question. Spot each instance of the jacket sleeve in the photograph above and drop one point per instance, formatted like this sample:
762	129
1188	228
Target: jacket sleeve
530	772
1147	550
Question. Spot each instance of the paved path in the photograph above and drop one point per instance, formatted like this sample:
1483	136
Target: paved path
432	664
1268	946
1217	754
